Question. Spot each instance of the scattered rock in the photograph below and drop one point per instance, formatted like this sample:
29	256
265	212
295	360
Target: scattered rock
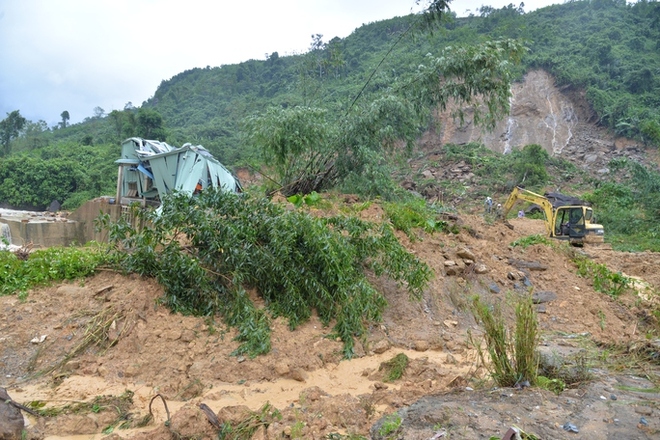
11	419
531	265
38	339
466	254
282	368
299	375
480	268
381	346
543	296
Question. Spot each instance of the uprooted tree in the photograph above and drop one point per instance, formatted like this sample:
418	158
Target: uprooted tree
311	149
207	250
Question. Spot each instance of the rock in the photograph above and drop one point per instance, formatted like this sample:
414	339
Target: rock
543	296
54	206
260	433
381	346
188	335
421	345
480	268
171	335
531	265
233	414
299	374
38	339
282	368
11	419
591	158
466	254
70	290
644	410
314	393
493	288
427	174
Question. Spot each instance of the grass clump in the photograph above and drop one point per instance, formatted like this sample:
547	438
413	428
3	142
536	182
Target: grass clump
530	240
121	405
413	214
513	357
557	386
47	265
208	250
395	367
603	279
390	427
246	428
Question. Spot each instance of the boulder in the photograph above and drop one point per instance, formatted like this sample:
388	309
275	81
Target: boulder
11	419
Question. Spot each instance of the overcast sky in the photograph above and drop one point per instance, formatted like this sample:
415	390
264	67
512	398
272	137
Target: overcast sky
76	55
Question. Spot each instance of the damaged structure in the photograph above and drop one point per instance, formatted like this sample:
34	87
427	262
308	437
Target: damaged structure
150	169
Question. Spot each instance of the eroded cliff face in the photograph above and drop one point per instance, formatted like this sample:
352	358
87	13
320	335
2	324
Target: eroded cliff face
561	121
540	114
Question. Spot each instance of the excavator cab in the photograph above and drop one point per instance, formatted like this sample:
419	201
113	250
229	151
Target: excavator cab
573	221
570	222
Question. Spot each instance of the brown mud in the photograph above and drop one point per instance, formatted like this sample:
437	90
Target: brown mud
107	340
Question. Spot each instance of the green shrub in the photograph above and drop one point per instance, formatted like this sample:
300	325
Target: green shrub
530	240
395	367
297	263
48	265
603	279
406	216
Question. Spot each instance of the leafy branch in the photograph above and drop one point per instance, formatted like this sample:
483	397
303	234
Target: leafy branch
297	263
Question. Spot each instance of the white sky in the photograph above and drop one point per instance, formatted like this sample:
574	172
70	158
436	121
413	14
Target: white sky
75	55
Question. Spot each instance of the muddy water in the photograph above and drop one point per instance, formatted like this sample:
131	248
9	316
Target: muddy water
343	378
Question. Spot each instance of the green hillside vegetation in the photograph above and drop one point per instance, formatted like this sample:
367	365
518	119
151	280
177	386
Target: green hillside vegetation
607	48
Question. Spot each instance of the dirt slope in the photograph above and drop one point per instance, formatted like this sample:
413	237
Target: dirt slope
188	361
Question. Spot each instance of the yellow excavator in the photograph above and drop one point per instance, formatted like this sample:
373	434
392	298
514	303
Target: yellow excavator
566	219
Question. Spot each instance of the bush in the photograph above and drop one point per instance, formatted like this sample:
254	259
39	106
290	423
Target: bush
207	250
48	265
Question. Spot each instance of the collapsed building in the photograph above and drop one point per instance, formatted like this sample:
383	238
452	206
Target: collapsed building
150	169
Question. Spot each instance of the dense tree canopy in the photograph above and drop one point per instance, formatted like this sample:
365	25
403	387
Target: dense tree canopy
10	127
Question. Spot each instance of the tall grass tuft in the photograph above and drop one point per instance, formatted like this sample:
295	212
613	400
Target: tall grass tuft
513	357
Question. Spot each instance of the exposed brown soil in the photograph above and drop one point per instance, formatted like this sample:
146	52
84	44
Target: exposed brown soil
188	360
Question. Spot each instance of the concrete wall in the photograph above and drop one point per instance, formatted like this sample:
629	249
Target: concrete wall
47	231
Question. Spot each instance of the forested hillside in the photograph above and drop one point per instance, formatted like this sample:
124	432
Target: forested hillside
608	49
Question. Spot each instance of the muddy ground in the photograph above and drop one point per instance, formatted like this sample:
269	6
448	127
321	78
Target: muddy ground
152	361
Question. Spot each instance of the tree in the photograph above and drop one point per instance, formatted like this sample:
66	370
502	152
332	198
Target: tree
529	166
150	125
99	112
314	151
10	127
33	134
65	118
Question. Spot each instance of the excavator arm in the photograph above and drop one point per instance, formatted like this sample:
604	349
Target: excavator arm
528	196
